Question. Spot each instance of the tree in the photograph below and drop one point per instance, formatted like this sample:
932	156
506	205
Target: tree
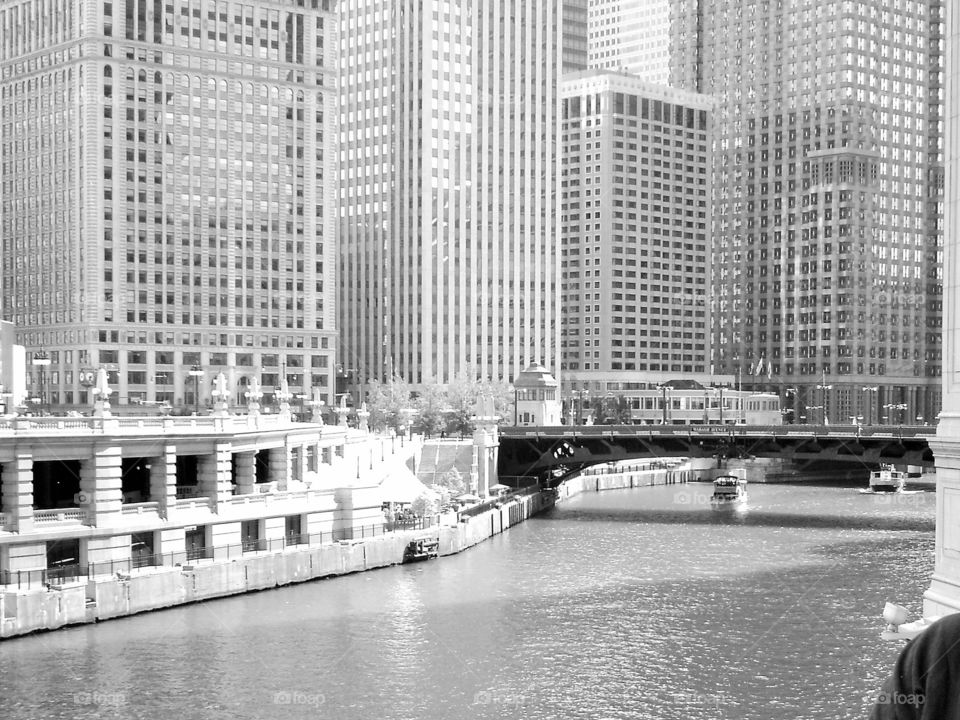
466	396
452	481
430	407
616	410
462	395
385	401
424	505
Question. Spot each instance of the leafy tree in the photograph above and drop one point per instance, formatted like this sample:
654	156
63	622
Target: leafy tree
385	401
466	396
462	401
452	481
424	505
616	409
430	407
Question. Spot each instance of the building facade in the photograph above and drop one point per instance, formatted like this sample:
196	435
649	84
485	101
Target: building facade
167	193
636	274
631	36
575	35
828	186
448	181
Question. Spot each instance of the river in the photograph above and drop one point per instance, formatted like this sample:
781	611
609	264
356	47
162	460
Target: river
639	603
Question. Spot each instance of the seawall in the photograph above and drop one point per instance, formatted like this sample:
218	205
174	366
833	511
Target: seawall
106	597
615	478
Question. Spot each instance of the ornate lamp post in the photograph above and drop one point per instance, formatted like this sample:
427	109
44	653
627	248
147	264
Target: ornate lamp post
823	386
196	372
42	360
899	407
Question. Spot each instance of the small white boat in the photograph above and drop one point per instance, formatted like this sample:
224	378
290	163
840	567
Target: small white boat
886	479
728	490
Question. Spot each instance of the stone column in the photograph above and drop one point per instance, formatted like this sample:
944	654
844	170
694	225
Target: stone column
943	597
17	477
280	466
246	472
486	441
101	485
163	480
213	474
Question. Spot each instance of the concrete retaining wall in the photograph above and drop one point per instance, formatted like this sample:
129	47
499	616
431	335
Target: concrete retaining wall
474	530
160	587
610	479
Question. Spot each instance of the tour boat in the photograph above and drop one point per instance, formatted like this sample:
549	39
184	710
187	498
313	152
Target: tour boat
728	490
886	479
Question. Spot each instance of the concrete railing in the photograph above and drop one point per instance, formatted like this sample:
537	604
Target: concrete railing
193	503
153	424
60	515
140	508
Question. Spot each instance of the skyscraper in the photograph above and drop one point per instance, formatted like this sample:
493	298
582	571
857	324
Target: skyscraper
165	192
828	178
635	203
631	36
575	16
448	182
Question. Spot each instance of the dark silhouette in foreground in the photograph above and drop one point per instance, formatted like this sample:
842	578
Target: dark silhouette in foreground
925	682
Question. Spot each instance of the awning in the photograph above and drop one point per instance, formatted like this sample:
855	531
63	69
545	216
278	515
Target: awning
400	485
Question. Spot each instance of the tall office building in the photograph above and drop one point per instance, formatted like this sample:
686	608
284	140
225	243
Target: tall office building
574	19
448	188
635	204
631	36
167	197
827	197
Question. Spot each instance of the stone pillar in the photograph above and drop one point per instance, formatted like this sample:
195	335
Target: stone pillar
101	485
943	597
163	480
486	442
246	472
214	473
298	472
280	467
17	477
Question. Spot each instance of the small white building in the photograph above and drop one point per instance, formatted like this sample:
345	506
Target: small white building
537	397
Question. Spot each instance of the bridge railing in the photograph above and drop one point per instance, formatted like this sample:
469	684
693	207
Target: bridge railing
903	431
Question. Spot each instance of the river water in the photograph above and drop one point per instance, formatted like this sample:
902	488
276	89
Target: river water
639	603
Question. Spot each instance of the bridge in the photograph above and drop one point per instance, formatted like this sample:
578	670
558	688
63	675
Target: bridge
550	454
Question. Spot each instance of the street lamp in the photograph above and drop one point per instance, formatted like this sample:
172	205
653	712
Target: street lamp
42	360
795	394
825	387
302	397
870	389
663	389
899	407
580	394
196	372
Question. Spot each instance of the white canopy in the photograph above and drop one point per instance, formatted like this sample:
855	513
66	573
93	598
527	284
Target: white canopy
400	485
